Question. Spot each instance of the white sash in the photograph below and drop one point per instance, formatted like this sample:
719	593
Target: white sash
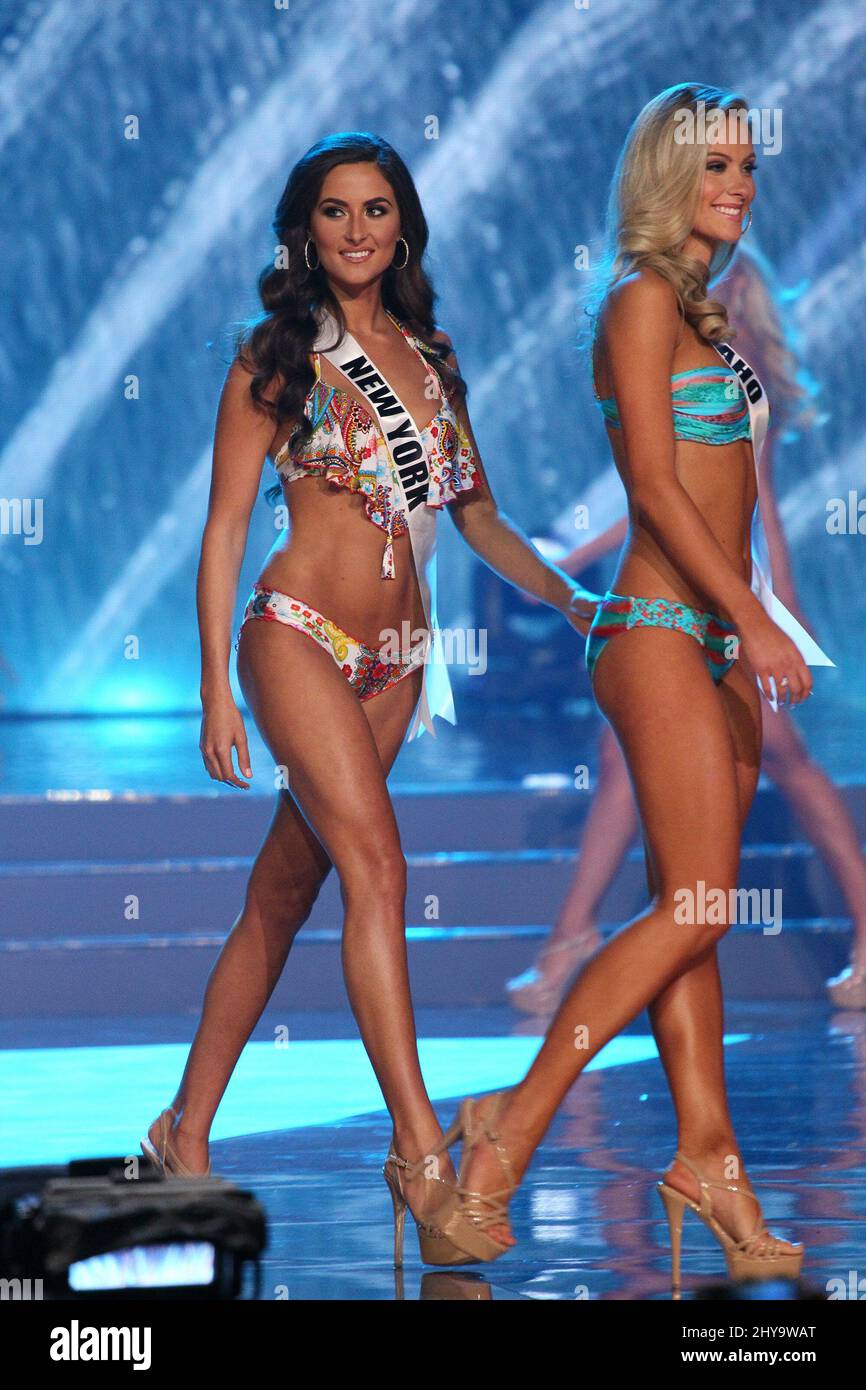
762	583
410	476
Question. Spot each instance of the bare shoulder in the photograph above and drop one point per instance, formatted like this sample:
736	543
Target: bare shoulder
643	300
240	376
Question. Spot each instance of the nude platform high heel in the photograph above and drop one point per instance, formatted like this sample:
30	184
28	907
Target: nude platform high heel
434	1246
163	1156
756	1256
468	1215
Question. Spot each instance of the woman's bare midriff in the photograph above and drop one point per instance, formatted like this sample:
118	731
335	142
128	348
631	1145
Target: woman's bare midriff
331	557
720	480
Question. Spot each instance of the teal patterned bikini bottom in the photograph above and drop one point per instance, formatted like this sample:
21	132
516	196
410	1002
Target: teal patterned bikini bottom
619	612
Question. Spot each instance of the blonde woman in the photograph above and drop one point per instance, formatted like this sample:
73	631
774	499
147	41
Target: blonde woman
754	303
680	654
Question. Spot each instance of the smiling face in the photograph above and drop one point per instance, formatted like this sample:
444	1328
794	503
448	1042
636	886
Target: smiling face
355	224
727	192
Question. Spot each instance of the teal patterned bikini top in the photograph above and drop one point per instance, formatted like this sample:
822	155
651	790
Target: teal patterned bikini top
709	406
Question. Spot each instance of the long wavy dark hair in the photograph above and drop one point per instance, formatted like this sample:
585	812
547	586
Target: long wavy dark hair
280	340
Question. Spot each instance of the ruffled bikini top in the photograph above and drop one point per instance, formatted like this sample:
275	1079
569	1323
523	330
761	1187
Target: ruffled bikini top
348	449
706	408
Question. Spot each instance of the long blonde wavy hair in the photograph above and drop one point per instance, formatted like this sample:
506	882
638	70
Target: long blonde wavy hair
653	202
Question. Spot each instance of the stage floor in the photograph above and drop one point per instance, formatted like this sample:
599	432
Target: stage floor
302	1126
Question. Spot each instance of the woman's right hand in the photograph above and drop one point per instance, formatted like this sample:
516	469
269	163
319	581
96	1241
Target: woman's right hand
772	653
222	730
579	608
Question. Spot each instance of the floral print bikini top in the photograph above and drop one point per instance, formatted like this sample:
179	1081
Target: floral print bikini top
347	448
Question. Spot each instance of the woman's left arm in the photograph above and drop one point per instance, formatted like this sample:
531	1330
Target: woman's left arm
503	546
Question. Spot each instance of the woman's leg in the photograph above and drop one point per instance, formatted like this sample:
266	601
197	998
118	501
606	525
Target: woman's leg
318	730
607	833
653	687
822	815
282	888
336	767
687	1017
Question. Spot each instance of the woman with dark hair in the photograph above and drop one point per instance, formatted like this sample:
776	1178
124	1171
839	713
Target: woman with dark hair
679	657
348	385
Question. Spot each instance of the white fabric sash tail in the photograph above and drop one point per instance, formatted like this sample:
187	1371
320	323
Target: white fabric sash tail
762	585
410	475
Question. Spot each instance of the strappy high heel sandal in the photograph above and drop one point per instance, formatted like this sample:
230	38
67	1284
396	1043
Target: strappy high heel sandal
757	1256
467	1220
164	1156
434	1246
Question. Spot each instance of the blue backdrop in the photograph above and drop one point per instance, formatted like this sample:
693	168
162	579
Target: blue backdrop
127	260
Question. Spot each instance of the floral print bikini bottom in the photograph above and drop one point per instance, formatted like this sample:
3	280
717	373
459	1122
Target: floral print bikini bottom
369	671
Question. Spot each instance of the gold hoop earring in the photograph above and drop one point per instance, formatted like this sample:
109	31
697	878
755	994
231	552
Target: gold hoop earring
406	260
307	244
743	230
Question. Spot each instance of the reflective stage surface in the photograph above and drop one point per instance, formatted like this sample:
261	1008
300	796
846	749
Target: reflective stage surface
303	1128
